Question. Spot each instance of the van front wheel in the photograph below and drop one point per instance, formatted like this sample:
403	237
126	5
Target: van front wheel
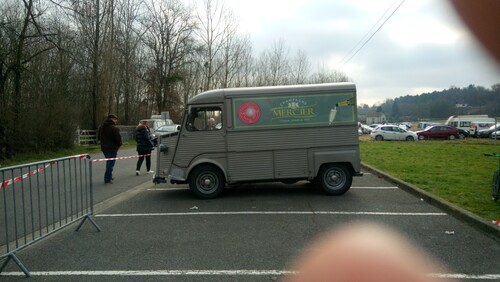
206	182
334	179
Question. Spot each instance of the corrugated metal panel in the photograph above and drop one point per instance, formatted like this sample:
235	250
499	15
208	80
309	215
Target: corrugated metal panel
254	154
193	144
315	137
291	163
251	166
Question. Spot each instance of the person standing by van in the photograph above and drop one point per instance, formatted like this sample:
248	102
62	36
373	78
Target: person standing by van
111	140
144	147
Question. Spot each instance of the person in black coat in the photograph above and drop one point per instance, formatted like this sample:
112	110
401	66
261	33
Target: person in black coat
109	136
144	147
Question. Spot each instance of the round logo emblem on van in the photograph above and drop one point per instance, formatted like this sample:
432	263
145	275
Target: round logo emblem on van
249	112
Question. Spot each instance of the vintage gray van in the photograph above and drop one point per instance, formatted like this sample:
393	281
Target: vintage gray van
258	134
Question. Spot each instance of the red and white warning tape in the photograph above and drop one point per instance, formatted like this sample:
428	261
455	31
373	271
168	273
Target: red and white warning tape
42	168
119	158
33	172
24	176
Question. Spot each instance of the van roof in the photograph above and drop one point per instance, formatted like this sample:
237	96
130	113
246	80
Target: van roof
218	95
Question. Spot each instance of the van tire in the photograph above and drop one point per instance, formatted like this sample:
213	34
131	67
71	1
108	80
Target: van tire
206	182
334	179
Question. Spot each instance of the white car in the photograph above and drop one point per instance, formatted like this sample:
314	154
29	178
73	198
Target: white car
495	135
364	129
392	132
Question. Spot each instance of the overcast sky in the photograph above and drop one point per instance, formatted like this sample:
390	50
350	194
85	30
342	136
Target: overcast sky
423	47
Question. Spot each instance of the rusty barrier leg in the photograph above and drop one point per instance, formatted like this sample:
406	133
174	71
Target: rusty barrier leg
40	198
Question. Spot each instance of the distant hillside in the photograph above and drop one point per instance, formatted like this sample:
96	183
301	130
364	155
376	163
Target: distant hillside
471	100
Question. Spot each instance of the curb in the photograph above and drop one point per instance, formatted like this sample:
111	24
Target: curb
110	202
455	211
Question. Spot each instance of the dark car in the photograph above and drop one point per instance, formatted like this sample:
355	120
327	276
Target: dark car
486	133
463	133
438	132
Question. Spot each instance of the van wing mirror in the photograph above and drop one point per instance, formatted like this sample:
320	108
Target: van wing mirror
163	148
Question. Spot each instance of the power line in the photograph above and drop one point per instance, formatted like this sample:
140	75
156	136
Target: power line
368	32
346	61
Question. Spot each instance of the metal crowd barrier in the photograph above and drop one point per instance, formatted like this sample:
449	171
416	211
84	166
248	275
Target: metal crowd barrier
41	198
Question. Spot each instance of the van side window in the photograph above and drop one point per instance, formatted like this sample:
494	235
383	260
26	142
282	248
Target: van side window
204	118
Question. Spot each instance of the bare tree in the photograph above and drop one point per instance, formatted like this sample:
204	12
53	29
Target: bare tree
237	53
217	35
23	39
129	35
94	22
324	75
245	67
192	77
169	38
300	68
274	66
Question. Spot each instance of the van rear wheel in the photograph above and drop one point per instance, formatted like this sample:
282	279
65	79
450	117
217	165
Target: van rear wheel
334	179
206	182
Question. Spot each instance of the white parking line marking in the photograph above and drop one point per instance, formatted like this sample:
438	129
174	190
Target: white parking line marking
217	272
167	189
465	276
275	213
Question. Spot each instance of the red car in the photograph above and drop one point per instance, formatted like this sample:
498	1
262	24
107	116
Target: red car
438	132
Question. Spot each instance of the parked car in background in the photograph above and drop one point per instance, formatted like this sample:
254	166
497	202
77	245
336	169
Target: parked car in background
392	132
465	121
475	126
364	129
438	132
407	124
154	124
463	133
486	133
495	135
374	125
424	124
163	130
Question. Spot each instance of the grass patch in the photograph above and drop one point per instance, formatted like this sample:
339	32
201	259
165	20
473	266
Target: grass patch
456	171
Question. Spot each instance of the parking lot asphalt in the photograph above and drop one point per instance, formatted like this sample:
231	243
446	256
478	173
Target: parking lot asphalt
250	233
489	227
